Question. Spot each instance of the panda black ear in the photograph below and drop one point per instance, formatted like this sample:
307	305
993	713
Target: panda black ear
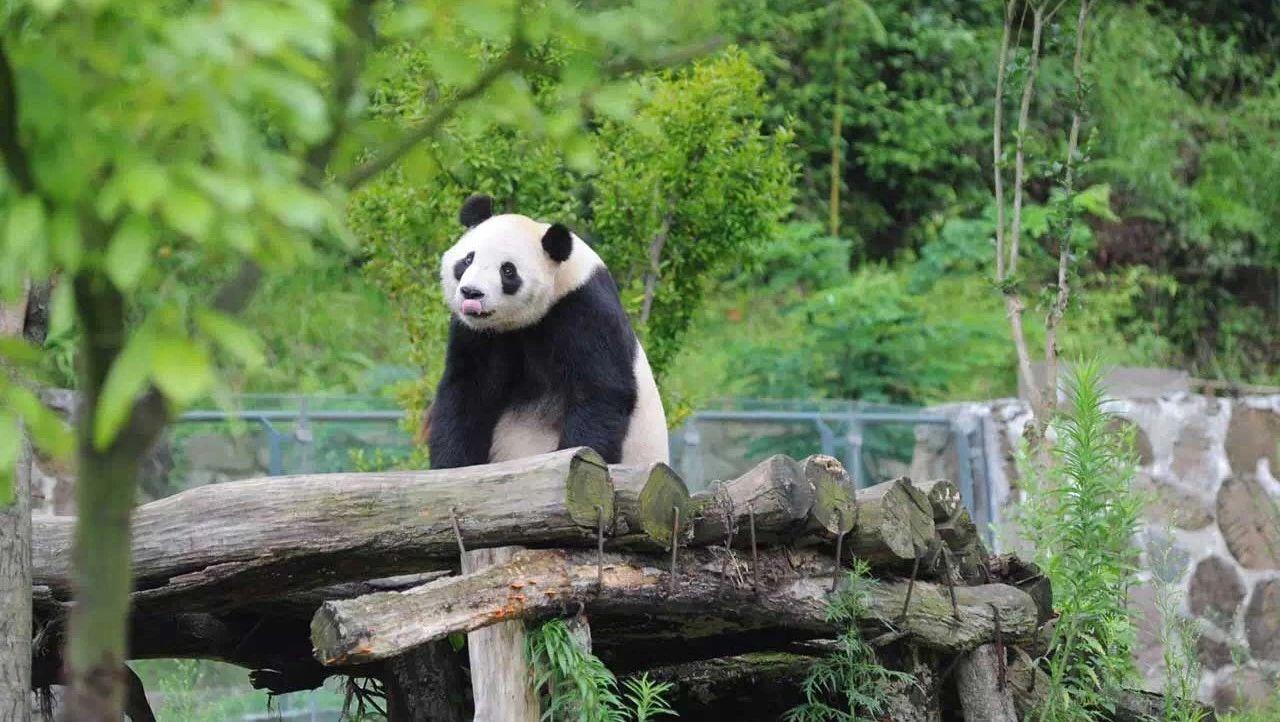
475	210
557	242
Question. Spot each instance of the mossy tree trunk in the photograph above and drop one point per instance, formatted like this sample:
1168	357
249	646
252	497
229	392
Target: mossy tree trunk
15	565
105	488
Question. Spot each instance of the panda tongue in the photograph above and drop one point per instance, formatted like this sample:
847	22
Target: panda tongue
472	306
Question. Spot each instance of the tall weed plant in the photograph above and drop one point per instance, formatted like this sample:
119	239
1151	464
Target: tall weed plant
1081	514
575	686
849	685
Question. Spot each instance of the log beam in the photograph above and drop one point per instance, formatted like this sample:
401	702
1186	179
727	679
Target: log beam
632	603
233	543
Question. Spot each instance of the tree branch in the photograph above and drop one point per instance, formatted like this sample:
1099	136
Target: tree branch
15	157
1059	307
997	140
347	67
1013	300
1019	172
397	149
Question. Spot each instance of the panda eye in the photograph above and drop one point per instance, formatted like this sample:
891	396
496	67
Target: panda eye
508	270
470	257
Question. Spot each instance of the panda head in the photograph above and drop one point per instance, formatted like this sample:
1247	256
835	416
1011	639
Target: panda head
506	271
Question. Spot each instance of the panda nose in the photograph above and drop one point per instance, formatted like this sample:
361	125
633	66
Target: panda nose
471	292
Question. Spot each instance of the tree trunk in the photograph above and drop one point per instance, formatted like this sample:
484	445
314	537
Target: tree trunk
500	680
426	685
15	594
15	561
105	490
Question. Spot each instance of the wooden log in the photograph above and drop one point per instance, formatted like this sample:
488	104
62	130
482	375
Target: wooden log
983	686
774	493
944	497
1028	684
895	524
804	502
633	606
1027	576
758	687
834	510
500	677
645	498
244	540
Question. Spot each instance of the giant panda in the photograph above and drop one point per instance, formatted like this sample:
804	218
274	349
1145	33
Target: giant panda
541	355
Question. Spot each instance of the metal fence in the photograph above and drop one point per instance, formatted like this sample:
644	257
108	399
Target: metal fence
301	434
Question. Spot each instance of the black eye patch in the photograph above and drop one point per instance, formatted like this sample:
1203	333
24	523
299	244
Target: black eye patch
460	267
510	278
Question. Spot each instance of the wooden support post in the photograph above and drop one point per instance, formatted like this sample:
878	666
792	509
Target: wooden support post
501	683
983	696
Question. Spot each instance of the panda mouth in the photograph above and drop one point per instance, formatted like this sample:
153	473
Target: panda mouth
475	309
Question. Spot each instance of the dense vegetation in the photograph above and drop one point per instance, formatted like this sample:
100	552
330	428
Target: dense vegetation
1178	252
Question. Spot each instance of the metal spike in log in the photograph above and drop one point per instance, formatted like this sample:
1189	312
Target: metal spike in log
259	538
539	583
643	499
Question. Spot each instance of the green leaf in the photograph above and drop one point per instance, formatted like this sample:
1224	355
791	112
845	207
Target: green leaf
1096	200
142	184
17	351
486	19
10	439
181	368
188	212
47	430
64	240
24	232
130	252
126	379
232	337
457	641
62	311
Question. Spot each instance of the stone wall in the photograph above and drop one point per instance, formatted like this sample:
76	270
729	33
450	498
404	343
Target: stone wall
1211	527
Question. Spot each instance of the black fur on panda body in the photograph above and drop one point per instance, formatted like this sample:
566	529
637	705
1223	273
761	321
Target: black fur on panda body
576	363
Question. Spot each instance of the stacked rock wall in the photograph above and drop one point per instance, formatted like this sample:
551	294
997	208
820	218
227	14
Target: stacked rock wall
1211	527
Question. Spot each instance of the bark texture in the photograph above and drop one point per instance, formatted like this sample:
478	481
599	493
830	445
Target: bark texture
15	595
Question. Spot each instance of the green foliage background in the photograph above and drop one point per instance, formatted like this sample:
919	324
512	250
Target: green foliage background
1178	250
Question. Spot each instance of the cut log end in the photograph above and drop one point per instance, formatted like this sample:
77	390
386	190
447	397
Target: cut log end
943	495
895	523
589	491
663	493
833	504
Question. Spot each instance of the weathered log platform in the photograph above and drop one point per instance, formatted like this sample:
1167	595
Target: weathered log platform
301	578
